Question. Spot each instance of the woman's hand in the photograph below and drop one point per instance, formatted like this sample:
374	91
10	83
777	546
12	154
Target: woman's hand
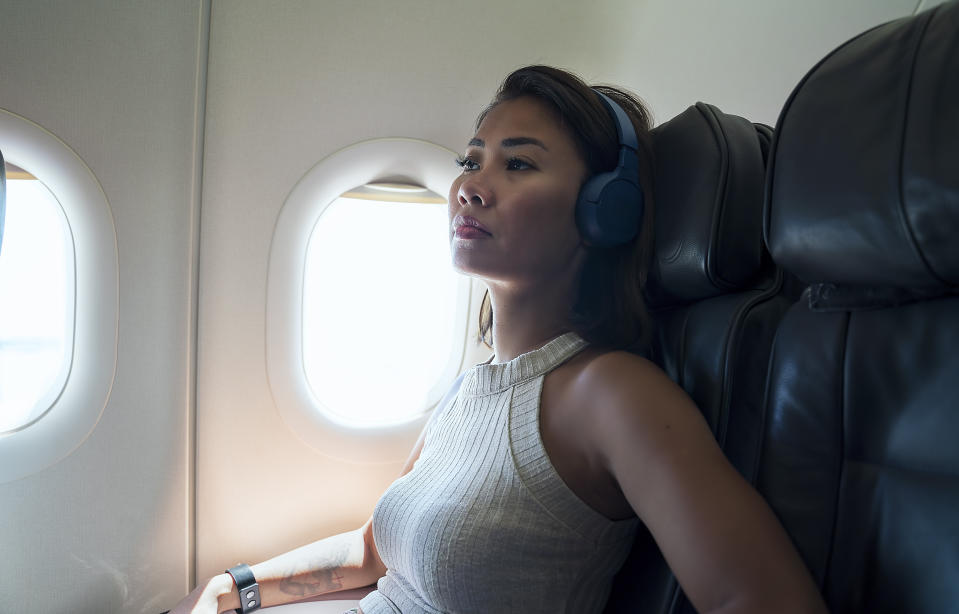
207	597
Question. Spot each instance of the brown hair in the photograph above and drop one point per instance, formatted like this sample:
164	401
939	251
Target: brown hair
609	310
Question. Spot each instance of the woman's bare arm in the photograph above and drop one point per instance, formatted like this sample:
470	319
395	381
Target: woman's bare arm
348	560
336	563
726	547
344	561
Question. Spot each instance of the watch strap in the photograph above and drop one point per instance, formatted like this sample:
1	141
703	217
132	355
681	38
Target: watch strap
246	586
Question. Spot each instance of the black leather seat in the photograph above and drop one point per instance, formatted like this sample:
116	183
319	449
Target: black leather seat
716	300
714	292
861	452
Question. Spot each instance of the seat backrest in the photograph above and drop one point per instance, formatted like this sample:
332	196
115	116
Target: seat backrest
715	294
716	299
861	453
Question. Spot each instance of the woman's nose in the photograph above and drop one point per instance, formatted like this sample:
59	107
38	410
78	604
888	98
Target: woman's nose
473	192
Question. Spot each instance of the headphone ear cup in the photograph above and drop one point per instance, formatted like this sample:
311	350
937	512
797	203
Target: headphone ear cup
609	209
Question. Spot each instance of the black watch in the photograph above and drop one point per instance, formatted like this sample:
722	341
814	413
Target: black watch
247	587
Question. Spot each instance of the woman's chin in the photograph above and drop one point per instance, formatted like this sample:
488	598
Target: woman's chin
480	272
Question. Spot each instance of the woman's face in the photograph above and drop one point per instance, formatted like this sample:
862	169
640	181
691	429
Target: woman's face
511	211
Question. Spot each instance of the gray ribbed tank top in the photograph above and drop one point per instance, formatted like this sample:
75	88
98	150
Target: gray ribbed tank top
483	523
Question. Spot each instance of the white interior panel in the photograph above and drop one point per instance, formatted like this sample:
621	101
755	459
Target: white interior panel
107	528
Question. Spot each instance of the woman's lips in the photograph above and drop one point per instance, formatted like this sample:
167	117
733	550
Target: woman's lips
468	227
470	232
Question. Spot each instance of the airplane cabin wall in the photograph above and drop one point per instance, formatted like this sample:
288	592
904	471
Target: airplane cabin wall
109	528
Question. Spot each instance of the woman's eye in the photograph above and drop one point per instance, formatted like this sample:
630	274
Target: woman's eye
467	164
515	164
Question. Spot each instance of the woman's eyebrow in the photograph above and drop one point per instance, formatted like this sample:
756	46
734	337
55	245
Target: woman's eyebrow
510	142
523	140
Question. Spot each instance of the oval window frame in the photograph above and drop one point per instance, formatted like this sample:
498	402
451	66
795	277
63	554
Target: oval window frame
75	413
422	162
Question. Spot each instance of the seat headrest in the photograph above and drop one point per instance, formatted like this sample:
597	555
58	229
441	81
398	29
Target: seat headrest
863	188
708	186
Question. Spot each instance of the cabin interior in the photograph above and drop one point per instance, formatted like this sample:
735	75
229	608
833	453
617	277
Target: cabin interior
192	146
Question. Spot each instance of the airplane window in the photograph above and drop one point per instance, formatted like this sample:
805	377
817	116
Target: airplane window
59	287
378	269
38	301
366	325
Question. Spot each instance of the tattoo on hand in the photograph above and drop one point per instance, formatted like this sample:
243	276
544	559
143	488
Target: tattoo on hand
324	578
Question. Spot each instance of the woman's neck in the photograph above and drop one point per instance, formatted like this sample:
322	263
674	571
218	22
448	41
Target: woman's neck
526	319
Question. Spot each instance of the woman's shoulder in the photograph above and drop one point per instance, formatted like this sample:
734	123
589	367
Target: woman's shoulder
622	390
600	373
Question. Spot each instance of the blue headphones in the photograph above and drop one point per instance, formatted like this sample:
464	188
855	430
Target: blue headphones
610	206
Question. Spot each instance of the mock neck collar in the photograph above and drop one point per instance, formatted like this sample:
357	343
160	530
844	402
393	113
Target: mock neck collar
489	378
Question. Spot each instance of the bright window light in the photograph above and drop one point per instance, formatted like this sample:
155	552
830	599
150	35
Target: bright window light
36	303
380	304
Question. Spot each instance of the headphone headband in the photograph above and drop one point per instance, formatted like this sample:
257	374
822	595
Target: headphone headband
624	128
609	210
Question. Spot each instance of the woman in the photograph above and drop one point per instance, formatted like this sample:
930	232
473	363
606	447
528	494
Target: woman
524	491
